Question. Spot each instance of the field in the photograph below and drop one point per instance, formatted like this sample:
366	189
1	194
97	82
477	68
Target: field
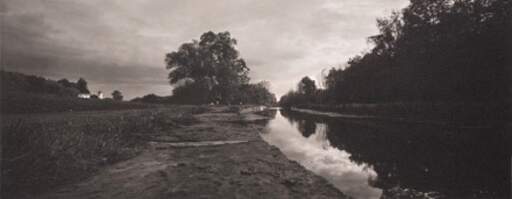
41	151
23	102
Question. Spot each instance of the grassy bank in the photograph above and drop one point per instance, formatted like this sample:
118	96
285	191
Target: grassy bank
41	151
20	102
467	113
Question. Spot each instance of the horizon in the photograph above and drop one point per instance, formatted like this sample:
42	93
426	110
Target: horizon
117	46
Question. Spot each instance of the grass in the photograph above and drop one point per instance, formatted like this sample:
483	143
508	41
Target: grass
21	102
42	151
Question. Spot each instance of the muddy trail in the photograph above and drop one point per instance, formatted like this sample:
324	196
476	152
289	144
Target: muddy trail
216	154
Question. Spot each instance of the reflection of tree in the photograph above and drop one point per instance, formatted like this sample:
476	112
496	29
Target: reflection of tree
305	123
288	116
306	127
267	113
294	116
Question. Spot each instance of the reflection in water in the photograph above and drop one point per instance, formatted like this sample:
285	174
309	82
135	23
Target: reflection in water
412	160
316	154
306	127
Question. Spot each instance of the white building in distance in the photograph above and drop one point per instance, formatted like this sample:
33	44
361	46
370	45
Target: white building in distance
84	96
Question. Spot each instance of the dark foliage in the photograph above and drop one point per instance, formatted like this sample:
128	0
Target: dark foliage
211	71
255	94
22	93
306	93
430	51
152	98
16	82
117	95
81	85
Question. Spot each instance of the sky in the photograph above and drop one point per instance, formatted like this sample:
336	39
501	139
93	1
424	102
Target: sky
118	44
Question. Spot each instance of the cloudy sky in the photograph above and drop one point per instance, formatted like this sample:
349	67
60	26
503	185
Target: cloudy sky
118	44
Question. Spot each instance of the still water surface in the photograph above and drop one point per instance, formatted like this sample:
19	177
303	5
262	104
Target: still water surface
377	159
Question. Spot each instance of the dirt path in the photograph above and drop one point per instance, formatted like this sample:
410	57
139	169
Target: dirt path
220	156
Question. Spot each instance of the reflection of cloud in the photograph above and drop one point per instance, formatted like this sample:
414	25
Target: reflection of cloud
316	154
282	40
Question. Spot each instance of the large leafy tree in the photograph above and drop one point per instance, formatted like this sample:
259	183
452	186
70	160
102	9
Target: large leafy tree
212	63
306	86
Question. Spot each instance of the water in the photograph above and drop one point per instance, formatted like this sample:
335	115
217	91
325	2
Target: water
375	159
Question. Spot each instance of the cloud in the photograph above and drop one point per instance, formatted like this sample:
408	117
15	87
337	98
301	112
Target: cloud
281	40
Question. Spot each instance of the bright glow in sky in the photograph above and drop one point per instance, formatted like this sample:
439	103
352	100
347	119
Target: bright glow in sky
121	45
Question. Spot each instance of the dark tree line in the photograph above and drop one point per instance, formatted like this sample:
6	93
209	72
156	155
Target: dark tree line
432	50
13	82
80	85
306	93
211	71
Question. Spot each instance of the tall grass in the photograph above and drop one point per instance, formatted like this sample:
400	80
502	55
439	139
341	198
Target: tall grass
41	151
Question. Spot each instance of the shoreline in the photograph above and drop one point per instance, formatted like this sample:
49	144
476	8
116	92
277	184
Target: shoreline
387	118
229	159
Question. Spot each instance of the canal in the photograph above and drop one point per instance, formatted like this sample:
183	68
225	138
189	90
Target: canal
366	158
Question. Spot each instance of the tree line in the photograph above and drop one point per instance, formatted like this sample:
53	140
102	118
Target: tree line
13	82
432	50
18	83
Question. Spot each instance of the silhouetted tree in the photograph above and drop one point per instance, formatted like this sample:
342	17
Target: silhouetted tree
213	63
256	94
82	86
306	86
117	95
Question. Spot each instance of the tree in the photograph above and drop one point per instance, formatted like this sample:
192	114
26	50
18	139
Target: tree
152	98
432	50
213	62
306	86
192	93
117	95
256	94
441	50
81	85
66	83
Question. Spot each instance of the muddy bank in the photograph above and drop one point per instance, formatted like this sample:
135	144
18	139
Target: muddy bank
216	154
394	119
437	113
